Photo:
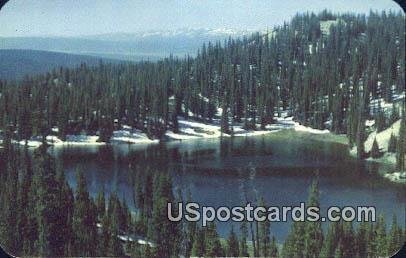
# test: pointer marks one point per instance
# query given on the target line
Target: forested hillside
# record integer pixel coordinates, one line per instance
(338, 72)
(327, 71)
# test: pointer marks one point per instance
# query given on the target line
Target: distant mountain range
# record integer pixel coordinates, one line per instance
(30, 55)
(150, 45)
(16, 63)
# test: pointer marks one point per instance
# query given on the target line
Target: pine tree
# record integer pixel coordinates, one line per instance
(264, 234)
(330, 241)
(394, 115)
(273, 250)
(101, 204)
(232, 244)
(66, 206)
(198, 247)
(49, 210)
(294, 244)
(392, 144)
(84, 219)
(114, 247)
(360, 136)
(401, 146)
(371, 241)
(348, 239)
(361, 239)
(395, 238)
(381, 240)
(339, 251)
(243, 239)
(313, 231)
(380, 122)
(212, 242)
(375, 152)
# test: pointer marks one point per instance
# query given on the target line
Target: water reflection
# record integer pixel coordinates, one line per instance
(214, 170)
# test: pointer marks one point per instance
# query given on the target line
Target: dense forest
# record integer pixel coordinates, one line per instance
(326, 70)
(42, 215)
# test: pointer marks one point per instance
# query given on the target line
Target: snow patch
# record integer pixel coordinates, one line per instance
(382, 138)
(397, 177)
(131, 136)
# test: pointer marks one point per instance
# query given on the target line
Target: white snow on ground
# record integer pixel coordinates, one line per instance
(140, 240)
(205, 99)
(369, 123)
(189, 129)
(131, 136)
(35, 142)
(398, 177)
(302, 128)
(128, 238)
(387, 157)
(288, 122)
(192, 130)
(380, 104)
(382, 138)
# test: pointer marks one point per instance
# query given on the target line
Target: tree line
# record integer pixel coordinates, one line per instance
(322, 69)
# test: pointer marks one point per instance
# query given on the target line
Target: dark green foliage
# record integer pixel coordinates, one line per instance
(264, 243)
(381, 240)
(213, 246)
(243, 239)
(101, 204)
(313, 231)
(49, 207)
(84, 220)
(392, 144)
(375, 152)
(401, 146)
(232, 244)
(199, 246)
(294, 243)
(273, 250)
(394, 115)
(395, 237)
(249, 78)
(380, 122)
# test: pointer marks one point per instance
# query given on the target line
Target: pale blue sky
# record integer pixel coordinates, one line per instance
(90, 17)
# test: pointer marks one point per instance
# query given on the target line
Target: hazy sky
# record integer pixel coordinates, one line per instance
(89, 17)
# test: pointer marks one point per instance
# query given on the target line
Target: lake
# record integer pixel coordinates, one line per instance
(216, 170)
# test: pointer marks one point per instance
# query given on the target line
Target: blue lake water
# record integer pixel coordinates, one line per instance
(216, 171)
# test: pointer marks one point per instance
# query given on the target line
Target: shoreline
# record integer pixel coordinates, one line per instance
(191, 129)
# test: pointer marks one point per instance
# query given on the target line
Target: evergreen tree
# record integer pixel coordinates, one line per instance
(381, 239)
(392, 144)
(264, 234)
(395, 238)
(101, 203)
(380, 122)
(232, 244)
(401, 146)
(84, 219)
(49, 211)
(243, 239)
(313, 231)
(198, 247)
(273, 252)
(375, 152)
(212, 242)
